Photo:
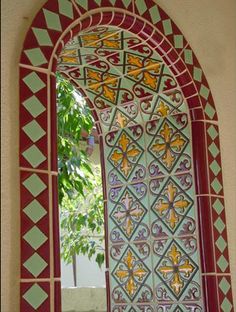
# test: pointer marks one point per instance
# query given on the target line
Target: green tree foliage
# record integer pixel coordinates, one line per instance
(79, 181)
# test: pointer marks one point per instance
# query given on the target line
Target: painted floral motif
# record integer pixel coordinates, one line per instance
(107, 39)
(103, 83)
(172, 205)
(128, 213)
(176, 269)
(125, 154)
(145, 70)
(131, 273)
(168, 145)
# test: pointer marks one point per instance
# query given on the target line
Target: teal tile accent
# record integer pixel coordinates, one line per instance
(226, 305)
(35, 264)
(188, 56)
(215, 168)
(52, 20)
(34, 156)
(34, 106)
(224, 285)
(167, 27)
(35, 296)
(36, 57)
(221, 244)
(35, 238)
(217, 187)
(141, 6)
(42, 37)
(222, 263)
(34, 185)
(83, 3)
(209, 110)
(204, 92)
(197, 74)
(213, 133)
(35, 211)
(127, 3)
(34, 82)
(155, 15)
(66, 8)
(34, 131)
(218, 206)
(219, 225)
(214, 150)
(179, 41)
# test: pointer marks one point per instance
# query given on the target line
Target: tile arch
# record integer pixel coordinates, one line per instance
(57, 22)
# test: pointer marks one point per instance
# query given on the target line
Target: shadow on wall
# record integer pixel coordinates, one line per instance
(84, 299)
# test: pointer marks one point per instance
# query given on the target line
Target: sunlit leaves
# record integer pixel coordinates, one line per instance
(79, 183)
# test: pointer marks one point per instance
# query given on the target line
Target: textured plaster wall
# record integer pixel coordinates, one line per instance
(210, 28)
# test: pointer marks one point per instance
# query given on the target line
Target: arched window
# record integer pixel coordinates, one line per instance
(166, 242)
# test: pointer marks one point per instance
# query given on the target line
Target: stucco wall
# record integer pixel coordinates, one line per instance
(210, 28)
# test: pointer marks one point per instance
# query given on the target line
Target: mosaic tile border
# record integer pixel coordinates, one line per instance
(56, 23)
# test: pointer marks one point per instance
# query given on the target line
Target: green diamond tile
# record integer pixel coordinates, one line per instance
(35, 296)
(112, 2)
(197, 74)
(218, 206)
(34, 106)
(167, 27)
(213, 133)
(52, 20)
(155, 15)
(188, 56)
(98, 2)
(36, 56)
(127, 3)
(224, 285)
(83, 3)
(215, 168)
(178, 41)
(42, 37)
(34, 82)
(221, 244)
(204, 92)
(34, 185)
(222, 263)
(35, 264)
(35, 238)
(226, 305)
(209, 110)
(34, 131)
(219, 225)
(66, 8)
(213, 149)
(34, 156)
(141, 6)
(35, 211)
(216, 185)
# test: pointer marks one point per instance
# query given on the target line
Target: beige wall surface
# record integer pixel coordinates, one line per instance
(210, 28)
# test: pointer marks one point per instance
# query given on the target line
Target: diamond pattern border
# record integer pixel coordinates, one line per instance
(214, 159)
(220, 235)
(35, 297)
(34, 226)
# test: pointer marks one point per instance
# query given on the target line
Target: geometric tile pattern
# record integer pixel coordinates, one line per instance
(139, 83)
(35, 296)
(215, 173)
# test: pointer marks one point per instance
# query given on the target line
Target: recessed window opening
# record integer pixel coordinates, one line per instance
(80, 203)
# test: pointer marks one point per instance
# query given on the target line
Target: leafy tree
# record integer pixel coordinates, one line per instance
(79, 181)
